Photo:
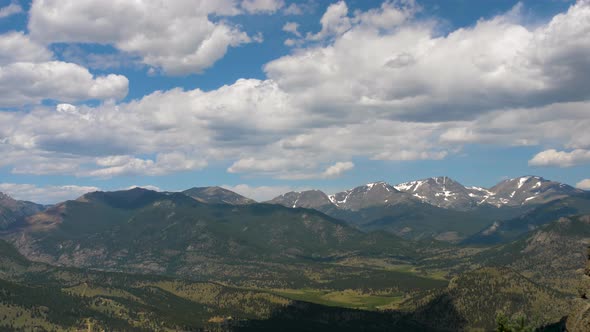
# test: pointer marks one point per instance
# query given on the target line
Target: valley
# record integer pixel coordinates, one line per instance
(374, 256)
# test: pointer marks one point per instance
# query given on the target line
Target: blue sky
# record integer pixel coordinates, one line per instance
(266, 96)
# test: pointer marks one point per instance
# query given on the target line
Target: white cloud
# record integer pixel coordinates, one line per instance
(179, 37)
(335, 21)
(292, 27)
(49, 194)
(126, 165)
(560, 123)
(30, 83)
(415, 95)
(11, 9)
(293, 9)
(28, 76)
(18, 47)
(262, 6)
(584, 184)
(496, 64)
(556, 158)
(280, 167)
(338, 169)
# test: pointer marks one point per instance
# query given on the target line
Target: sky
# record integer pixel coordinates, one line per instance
(268, 96)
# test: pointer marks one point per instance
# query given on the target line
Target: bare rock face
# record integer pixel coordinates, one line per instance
(579, 319)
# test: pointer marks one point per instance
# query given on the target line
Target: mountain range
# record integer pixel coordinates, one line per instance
(441, 192)
(436, 207)
(416, 256)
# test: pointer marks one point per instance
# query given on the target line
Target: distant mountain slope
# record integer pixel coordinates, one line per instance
(552, 255)
(12, 210)
(419, 221)
(507, 230)
(217, 195)
(150, 231)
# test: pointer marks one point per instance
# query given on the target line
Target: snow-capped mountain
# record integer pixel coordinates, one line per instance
(528, 190)
(371, 194)
(447, 193)
(442, 192)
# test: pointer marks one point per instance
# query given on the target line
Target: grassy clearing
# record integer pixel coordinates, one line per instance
(346, 299)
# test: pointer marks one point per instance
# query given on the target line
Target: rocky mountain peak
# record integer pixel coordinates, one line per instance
(440, 191)
(529, 189)
(370, 194)
(12, 210)
(5, 197)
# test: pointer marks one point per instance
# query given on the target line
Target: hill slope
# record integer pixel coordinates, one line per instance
(475, 298)
(552, 255)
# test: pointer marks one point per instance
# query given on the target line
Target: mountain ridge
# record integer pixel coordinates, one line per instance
(439, 191)
(13, 211)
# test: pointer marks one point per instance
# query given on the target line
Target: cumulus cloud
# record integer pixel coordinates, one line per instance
(497, 64)
(11, 9)
(264, 6)
(497, 82)
(164, 163)
(338, 169)
(28, 76)
(30, 83)
(292, 27)
(179, 37)
(45, 194)
(560, 123)
(18, 47)
(293, 9)
(584, 184)
(556, 158)
(335, 21)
